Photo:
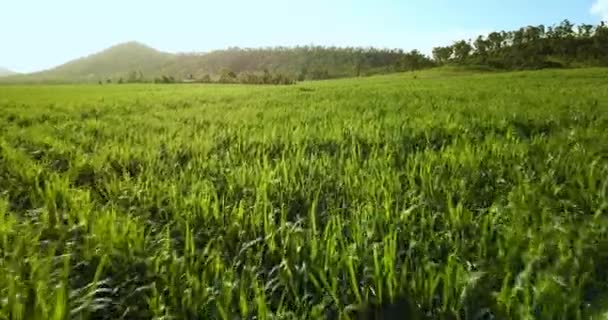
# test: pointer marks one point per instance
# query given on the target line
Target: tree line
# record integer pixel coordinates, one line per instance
(227, 76)
(532, 47)
(282, 66)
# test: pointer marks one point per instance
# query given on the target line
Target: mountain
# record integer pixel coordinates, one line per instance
(6, 72)
(115, 62)
(134, 62)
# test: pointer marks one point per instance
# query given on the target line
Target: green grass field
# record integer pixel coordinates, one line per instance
(433, 195)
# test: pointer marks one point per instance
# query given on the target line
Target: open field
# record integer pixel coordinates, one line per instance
(454, 195)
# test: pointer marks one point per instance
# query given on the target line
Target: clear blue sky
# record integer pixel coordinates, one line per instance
(39, 34)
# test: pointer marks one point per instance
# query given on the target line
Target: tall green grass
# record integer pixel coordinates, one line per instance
(421, 196)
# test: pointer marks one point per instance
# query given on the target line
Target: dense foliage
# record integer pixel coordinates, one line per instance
(433, 195)
(533, 47)
(302, 63)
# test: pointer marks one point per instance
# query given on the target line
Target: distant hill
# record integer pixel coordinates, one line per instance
(113, 63)
(134, 61)
(6, 72)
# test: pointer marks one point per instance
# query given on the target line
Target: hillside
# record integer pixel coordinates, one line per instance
(135, 62)
(112, 63)
(532, 47)
(6, 72)
(304, 62)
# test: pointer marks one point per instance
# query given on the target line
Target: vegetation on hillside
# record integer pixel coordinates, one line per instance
(419, 196)
(133, 62)
(119, 61)
(302, 63)
(532, 47)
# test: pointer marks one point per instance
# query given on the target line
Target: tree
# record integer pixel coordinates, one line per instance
(585, 30)
(517, 37)
(532, 33)
(320, 74)
(495, 39)
(228, 76)
(442, 54)
(358, 64)
(566, 28)
(266, 78)
(600, 42)
(249, 78)
(304, 72)
(462, 50)
(164, 79)
(206, 78)
(551, 33)
(481, 48)
(132, 77)
(414, 60)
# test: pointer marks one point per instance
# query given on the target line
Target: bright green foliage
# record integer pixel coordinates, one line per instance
(451, 195)
(532, 47)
